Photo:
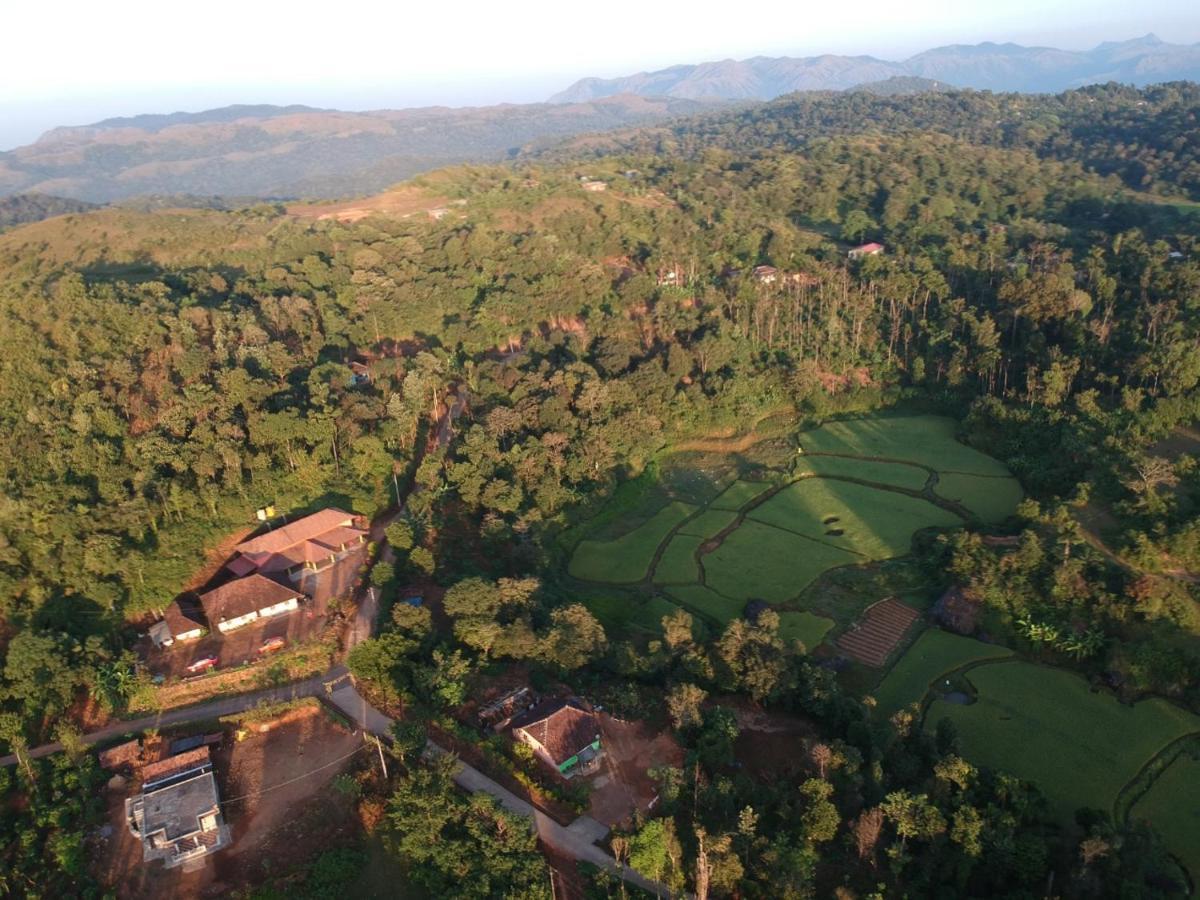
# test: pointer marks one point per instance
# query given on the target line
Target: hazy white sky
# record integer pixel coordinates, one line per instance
(77, 61)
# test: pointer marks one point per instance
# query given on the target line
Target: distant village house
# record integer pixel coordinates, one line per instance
(564, 735)
(766, 274)
(871, 249)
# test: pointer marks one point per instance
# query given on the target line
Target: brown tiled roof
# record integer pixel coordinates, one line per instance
(243, 595)
(561, 727)
(182, 617)
(181, 763)
(335, 538)
(297, 532)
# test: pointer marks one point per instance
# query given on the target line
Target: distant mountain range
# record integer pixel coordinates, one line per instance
(286, 152)
(988, 66)
(298, 151)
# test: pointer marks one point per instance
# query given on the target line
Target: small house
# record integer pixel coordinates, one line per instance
(177, 815)
(595, 186)
(766, 274)
(871, 249)
(563, 734)
(245, 600)
(182, 621)
(360, 373)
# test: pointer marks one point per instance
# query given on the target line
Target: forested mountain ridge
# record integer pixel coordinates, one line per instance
(986, 66)
(288, 152)
(1150, 137)
(23, 208)
(167, 372)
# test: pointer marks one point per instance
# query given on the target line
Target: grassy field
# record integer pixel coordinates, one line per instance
(1172, 805)
(1047, 726)
(759, 561)
(698, 598)
(875, 524)
(805, 627)
(678, 564)
(627, 558)
(739, 494)
(935, 653)
(928, 440)
(992, 499)
(709, 523)
(618, 608)
(898, 474)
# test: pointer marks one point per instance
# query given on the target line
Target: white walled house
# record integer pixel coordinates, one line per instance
(245, 600)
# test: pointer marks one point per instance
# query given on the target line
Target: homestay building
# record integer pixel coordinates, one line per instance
(563, 734)
(871, 249)
(311, 544)
(245, 600)
(177, 815)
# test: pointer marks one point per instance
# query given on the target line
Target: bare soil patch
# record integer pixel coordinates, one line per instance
(624, 786)
(277, 797)
(401, 202)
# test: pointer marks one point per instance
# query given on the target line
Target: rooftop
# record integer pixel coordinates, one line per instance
(243, 595)
(563, 727)
(297, 532)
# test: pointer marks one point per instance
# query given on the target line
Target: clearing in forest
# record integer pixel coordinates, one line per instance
(715, 532)
(935, 654)
(1047, 726)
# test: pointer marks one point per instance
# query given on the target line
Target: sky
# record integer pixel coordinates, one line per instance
(72, 62)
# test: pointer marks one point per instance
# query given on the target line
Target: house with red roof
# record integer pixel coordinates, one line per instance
(563, 734)
(871, 249)
(312, 543)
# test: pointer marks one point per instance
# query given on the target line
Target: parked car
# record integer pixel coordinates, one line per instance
(203, 664)
(271, 645)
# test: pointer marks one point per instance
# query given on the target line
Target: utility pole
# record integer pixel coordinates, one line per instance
(382, 761)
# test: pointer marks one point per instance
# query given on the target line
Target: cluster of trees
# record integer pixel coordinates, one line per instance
(1148, 136)
(166, 374)
(868, 805)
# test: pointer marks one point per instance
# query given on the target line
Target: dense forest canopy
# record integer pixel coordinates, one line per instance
(1148, 137)
(167, 372)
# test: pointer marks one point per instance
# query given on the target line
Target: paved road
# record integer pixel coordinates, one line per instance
(213, 709)
(578, 840)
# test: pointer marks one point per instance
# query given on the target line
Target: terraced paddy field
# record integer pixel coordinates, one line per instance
(851, 517)
(628, 558)
(1047, 726)
(1172, 806)
(935, 654)
(924, 440)
(729, 531)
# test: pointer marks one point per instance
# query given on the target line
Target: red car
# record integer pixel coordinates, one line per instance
(271, 645)
(202, 665)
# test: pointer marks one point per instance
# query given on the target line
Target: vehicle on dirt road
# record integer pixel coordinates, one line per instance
(271, 645)
(202, 665)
